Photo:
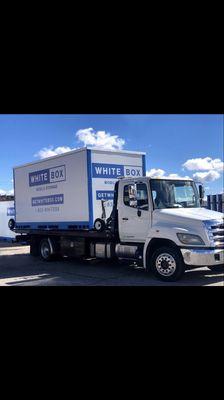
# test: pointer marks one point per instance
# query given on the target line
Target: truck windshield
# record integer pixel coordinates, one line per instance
(174, 194)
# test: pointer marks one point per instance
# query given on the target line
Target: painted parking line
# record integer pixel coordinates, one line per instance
(21, 279)
(5, 251)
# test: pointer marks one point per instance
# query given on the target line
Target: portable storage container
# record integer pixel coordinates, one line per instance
(66, 191)
(6, 213)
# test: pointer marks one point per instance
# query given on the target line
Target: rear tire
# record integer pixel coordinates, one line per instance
(45, 250)
(167, 264)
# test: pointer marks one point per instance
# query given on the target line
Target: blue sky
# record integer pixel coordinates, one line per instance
(169, 141)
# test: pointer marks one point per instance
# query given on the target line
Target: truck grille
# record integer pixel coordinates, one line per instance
(218, 235)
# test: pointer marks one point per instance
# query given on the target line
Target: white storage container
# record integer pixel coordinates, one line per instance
(65, 191)
(6, 213)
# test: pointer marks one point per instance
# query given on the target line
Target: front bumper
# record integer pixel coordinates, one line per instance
(203, 257)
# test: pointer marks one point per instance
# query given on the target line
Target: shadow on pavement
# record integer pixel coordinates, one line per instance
(22, 269)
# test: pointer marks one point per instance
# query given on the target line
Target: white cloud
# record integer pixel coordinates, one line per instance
(160, 173)
(50, 151)
(208, 176)
(6, 192)
(155, 173)
(176, 176)
(100, 139)
(203, 164)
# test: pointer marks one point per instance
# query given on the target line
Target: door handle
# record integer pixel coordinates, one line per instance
(125, 219)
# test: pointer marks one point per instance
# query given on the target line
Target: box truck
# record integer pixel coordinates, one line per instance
(100, 204)
(7, 212)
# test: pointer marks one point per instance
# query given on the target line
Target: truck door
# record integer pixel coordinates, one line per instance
(134, 214)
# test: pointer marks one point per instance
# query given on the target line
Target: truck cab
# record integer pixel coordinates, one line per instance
(164, 221)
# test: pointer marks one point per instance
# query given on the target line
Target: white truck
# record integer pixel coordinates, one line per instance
(7, 212)
(99, 204)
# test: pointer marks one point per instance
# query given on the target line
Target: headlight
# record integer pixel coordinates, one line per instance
(189, 239)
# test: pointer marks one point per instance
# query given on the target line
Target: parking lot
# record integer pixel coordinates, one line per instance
(18, 268)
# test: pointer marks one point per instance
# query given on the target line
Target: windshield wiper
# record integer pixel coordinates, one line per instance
(175, 205)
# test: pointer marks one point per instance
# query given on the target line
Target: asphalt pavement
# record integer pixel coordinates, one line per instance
(18, 268)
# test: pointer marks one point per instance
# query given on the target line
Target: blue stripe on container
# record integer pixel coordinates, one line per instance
(50, 225)
(14, 184)
(143, 165)
(90, 193)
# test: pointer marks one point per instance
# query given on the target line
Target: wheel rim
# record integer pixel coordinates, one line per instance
(98, 225)
(166, 264)
(45, 250)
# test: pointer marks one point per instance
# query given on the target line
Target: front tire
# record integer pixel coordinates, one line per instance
(167, 264)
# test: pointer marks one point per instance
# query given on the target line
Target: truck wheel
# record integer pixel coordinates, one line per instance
(11, 224)
(167, 264)
(99, 225)
(45, 250)
(217, 268)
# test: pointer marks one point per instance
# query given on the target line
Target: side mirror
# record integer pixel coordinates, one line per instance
(201, 193)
